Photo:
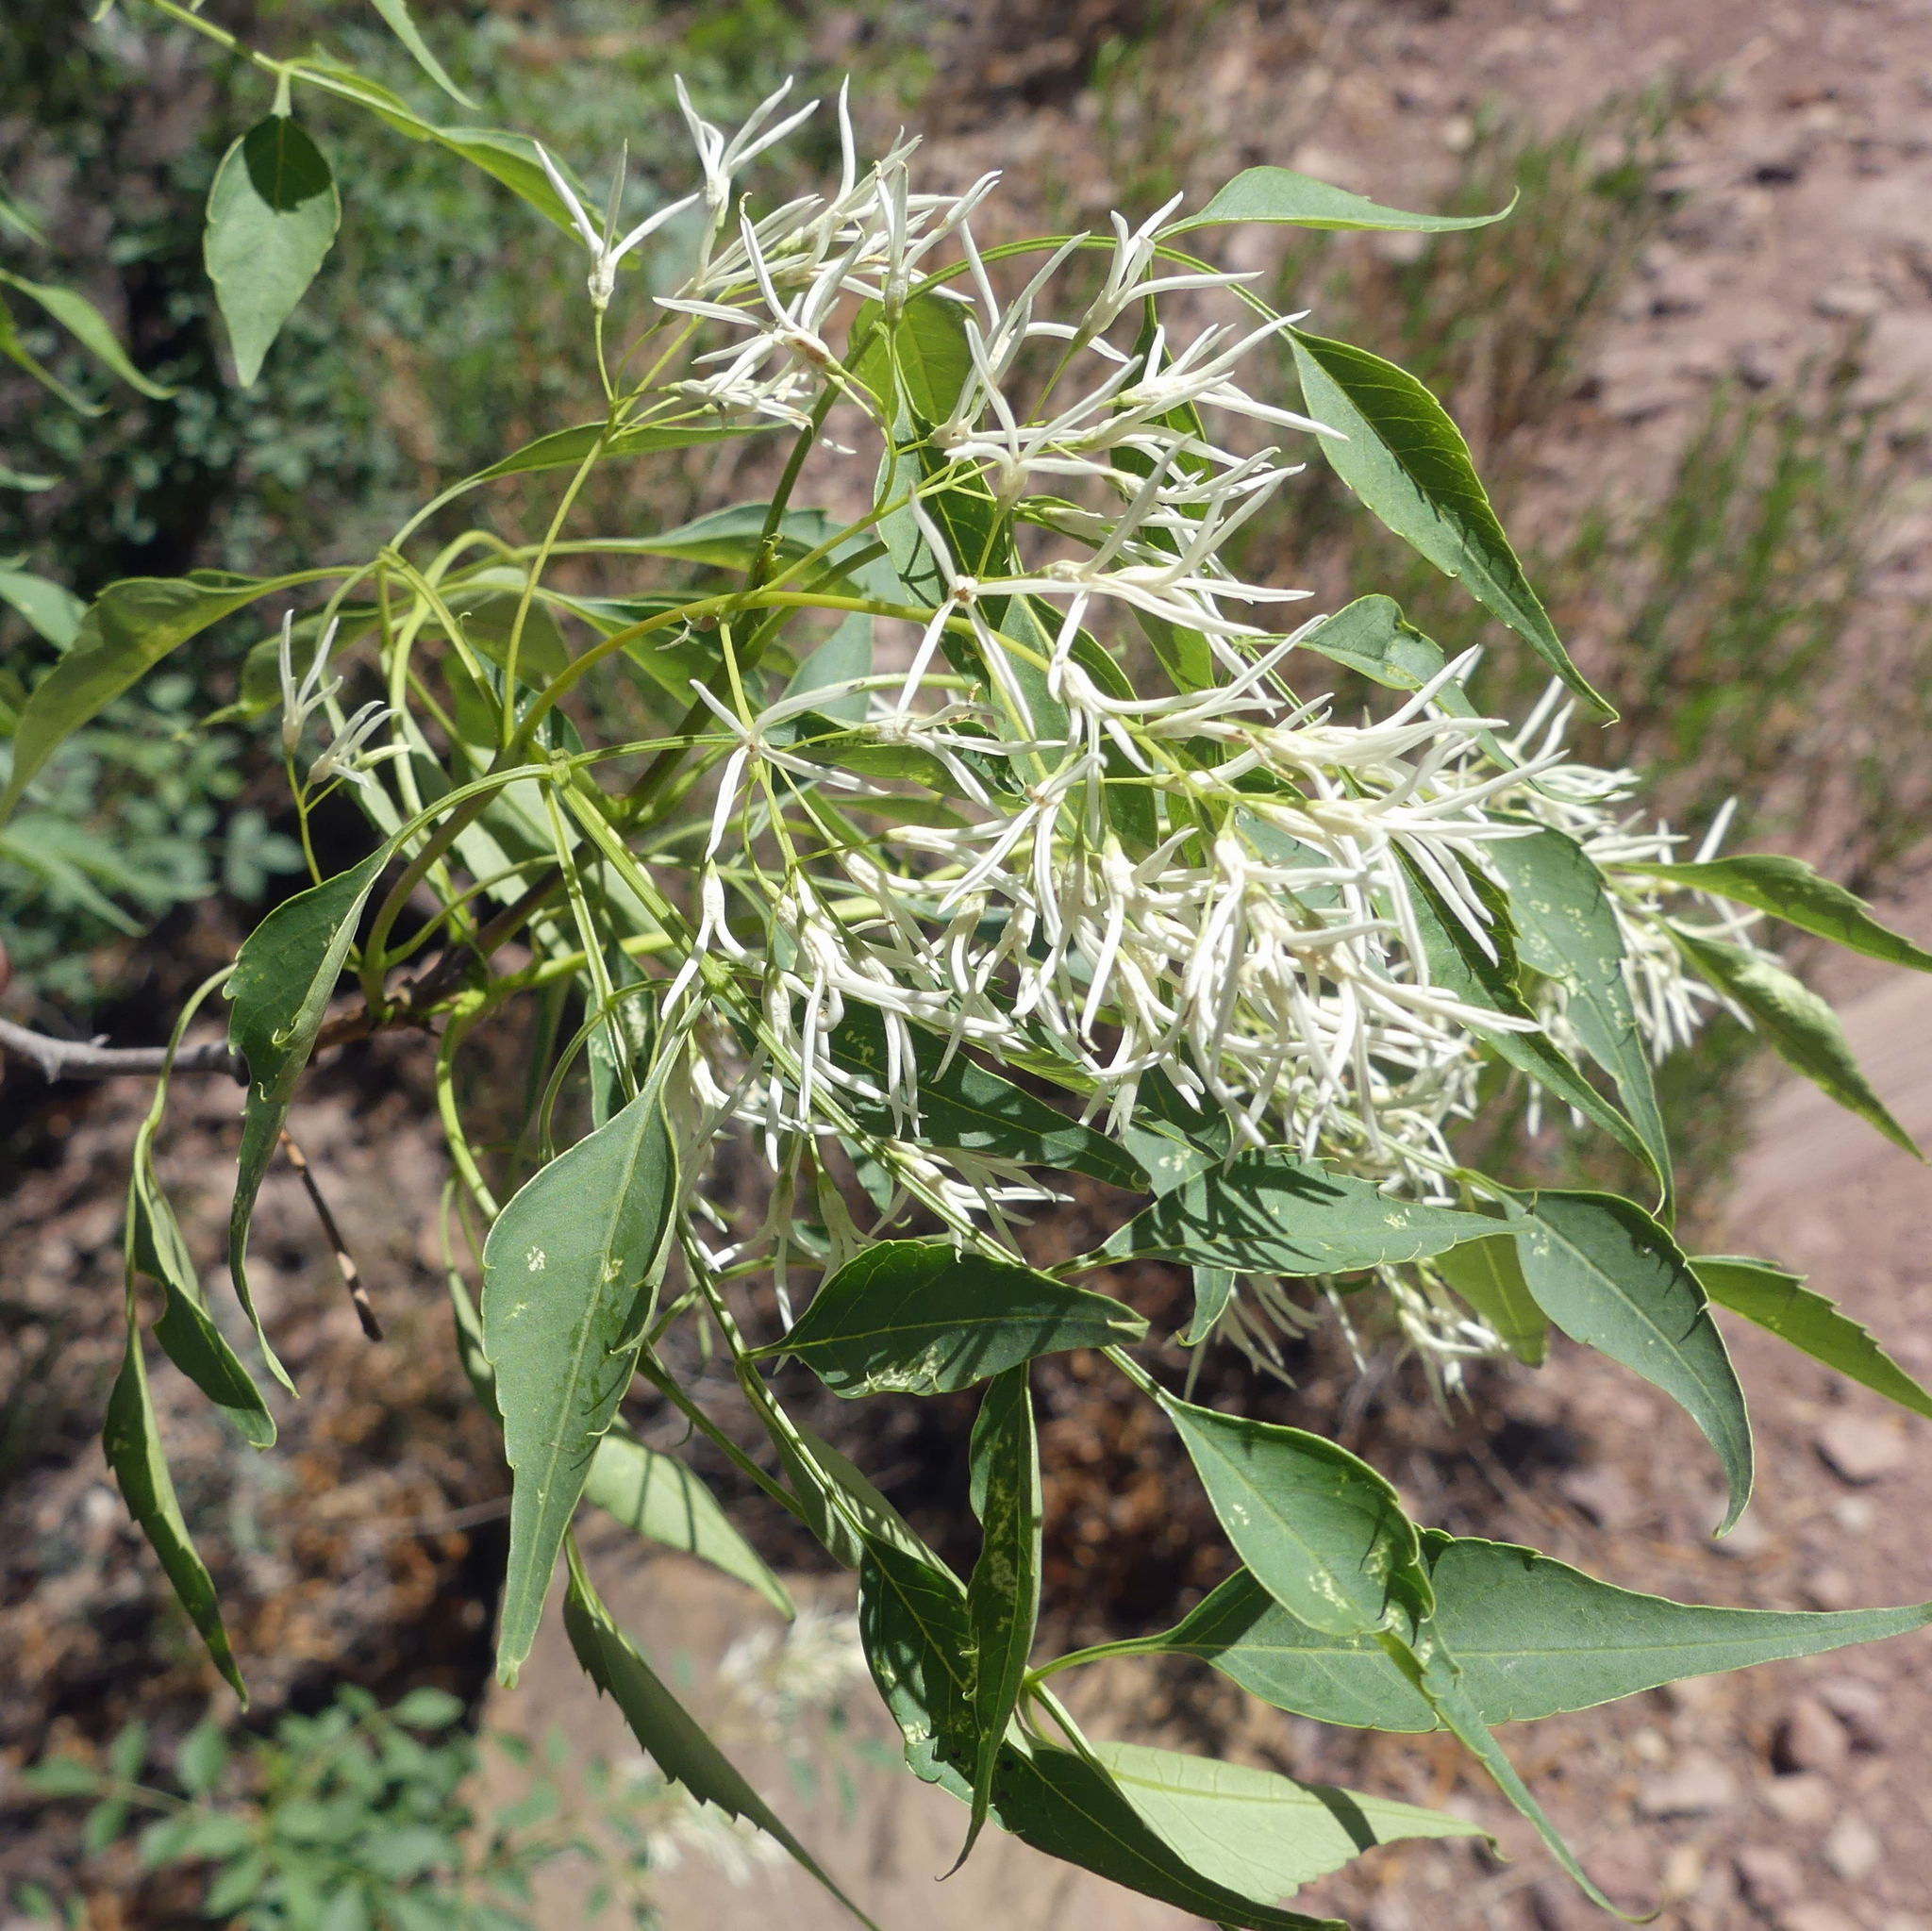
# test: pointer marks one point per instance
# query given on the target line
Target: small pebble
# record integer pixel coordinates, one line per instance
(1802, 1800)
(1859, 1448)
(1815, 1917)
(1810, 1738)
(1699, 1785)
(1862, 1707)
(1852, 1849)
(1770, 1876)
(1848, 302)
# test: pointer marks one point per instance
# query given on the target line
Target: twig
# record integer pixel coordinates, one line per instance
(90, 1059)
(344, 1260)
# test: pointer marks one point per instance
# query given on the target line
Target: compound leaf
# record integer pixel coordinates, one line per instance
(570, 1271)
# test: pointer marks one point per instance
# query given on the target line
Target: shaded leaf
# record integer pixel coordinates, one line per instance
(283, 978)
(397, 14)
(89, 327)
(1804, 1030)
(128, 630)
(658, 1496)
(1280, 195)
(54, 611)
(969, 1106)
(1409, 463)
(914, 1317)
(1782, 1303)
(566, 448)
(1260, 1834)
(677, 1743)
(918, 1638)
(1267, 1213)
(1611, 1278)
(132, 1444)
(570, 1276)
(1567, 929)
(1789, 888)
(927, 345)
(1322, 1531)
(1488, 1276)
(1003, 1595)
(1214, 1289)
(272, 217)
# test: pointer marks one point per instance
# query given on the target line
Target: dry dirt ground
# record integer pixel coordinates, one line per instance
(1794, 1796)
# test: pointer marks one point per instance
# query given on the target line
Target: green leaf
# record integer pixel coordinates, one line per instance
(1003, 1596)
(1321, 1530)
(1458, 965)
(1214, 1289)
(1072, 1809)
(21, 221)
(968, 1106)
(397, 13)
(1280, 194)
(1794, 1312)
(1568, 930)
(570, 1276)
(566, 448)
(1797, 1022)
(843, 1508)
(914, 1317)
(510, 159)
(201, 1758)
(128, 630)
(659, 1497)
(1409, 463)
(428, 1709)
(1488, 1276)
(22, 357)
(1789, 888)
(187, 1329)
(283, 977)
(1262, 1835)
(132, 1442)
(1533, 1637)
(677, 1743)
(89, 327)
(54, 611)
(29, 480)
(1266, 1213)
(272, 213)
(1611, 1278)
(918, 1638)
(1440, 1678)
(927, 344)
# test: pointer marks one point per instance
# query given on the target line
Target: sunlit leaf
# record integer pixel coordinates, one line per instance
(52, 609)
(1281, 195)
(89, 327)
(397, 13)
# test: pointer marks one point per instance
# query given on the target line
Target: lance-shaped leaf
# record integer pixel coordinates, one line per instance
(132, 1442)
(914, 1623)
(927, 348)
(128, 630)
(272, 213)
(1267, 1213)
(187, 1329)
(54, 611)
(1260, 1834)
(1214, 1289)
(1488, 1276)
(1789, 888)
(1409, 463)
(1322, 1531)
(965, 1104)
(1458, 965)
(1795, 1313)
(283, 977)
(1806, 1031)
(661, 1498)
(914, 1317)
(1611, 1278)
(1567, 929)
(89, 327)
(566, 448)
(676, 1741)
(570, 1274)
(1280, 194)
(1533, 1637)
(1003, 1596)
(1437, 1674)
(404, 26)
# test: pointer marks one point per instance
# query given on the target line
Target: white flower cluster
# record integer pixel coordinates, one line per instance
(1219, 881)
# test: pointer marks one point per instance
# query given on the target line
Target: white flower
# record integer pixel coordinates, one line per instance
(300, 703)
(721, 159)
(345, 758)
(605, 253)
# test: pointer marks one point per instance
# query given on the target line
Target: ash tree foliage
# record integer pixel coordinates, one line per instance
(830, 831)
